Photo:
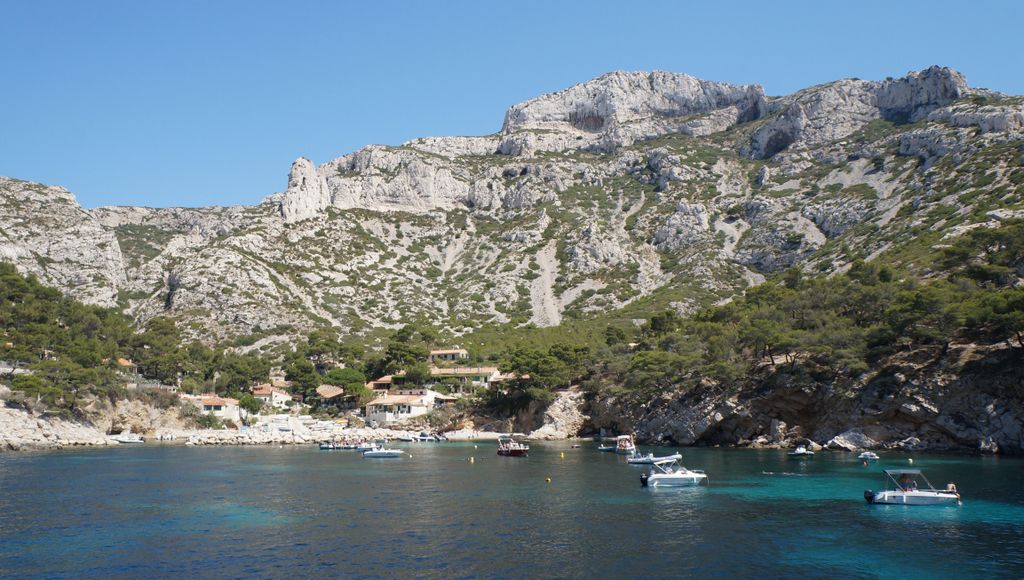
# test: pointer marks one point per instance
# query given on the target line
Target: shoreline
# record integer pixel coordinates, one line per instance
(21, 431)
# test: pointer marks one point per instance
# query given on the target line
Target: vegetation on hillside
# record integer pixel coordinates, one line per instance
(825, 328)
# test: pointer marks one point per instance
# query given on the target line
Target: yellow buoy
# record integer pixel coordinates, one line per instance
(562, 455)
(911, 459)
(471, 460)
(474, 447)
(548, 480)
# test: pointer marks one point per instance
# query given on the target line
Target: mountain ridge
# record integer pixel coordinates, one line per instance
(632, 186)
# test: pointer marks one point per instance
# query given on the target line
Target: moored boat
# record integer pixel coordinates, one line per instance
(624, 445)
(668, 473)
(127, 438)
(905, 491)
(509, 447)
(383, 453)
(801, 452)
(650, 459)
(868, 456)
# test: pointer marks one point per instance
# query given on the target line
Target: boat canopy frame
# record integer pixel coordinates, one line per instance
(893, 473)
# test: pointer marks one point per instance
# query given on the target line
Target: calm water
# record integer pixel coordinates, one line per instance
(153, 511)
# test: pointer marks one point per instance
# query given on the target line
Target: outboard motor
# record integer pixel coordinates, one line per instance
(869, 496)
(643, 479)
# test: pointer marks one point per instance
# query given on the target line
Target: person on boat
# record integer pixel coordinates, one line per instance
(906, 484)
(951, 487)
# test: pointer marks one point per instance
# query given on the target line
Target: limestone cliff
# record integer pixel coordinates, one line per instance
(638, 190)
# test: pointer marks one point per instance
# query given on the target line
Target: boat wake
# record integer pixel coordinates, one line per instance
(785, 474)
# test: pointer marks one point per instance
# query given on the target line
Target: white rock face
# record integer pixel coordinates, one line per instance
(621, 107)
(562, 214)
(822, 114)
(689, 224)
(45, 232)
(307, 193)
(988, 119)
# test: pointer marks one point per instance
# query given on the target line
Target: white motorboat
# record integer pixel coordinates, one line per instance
(366, 446)
(868, 456)
(382, 453)
(668, 473)
(127, 438)
(801, 452)
(624, 445)
(904, 490)
(650, 459)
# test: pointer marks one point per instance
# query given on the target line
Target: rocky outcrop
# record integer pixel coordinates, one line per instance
(823, 114)
(563, 418)
(20, 430)
(307, 194)
(44, 231)
(688, 225)
(970, 400)
(1008, 118)
(620, 108)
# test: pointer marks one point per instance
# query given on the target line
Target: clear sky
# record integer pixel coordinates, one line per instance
(208, 102)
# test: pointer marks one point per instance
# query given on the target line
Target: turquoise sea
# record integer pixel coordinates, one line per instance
(268, 512)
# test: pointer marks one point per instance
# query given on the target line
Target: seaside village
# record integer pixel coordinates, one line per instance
(284, 416)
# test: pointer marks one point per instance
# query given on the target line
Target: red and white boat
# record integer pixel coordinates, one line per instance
(509, 447)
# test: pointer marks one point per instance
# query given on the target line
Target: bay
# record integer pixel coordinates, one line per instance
(167, 510)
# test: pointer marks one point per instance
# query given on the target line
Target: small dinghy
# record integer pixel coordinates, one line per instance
(650, 459)
(904, 490)
(328, 446)
(379, 451)
(868, 456)
(383, 453)
(801, 452)
(127, 438)
(668, 473)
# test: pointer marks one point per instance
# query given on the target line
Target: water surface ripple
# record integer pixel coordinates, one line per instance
(157, 511)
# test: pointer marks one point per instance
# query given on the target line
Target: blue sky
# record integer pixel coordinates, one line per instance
(202, 103)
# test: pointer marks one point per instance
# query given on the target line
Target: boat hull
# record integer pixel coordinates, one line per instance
(513, 452)
(650, 459)
(384, 454)
(915, 498)
(676, 479)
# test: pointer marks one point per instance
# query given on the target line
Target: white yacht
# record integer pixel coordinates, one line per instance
(868, 456)
(668, 473)
(905, 491)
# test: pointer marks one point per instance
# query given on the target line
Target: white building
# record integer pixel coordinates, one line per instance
(404, 404)
(222, 407)
(269, 395)
(448, 355)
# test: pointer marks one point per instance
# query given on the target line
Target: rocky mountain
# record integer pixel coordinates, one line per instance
(618, 196)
